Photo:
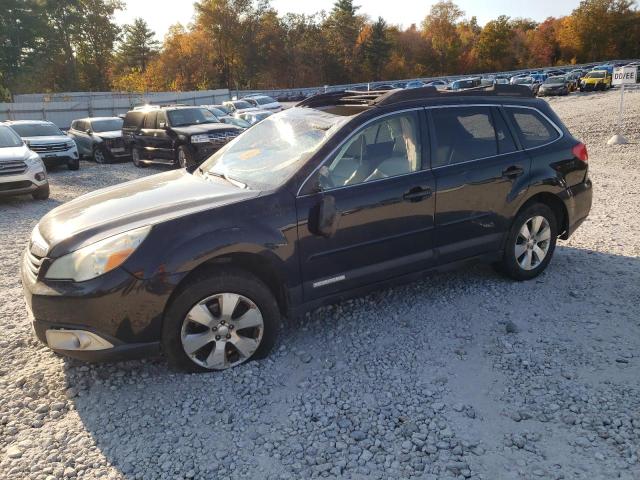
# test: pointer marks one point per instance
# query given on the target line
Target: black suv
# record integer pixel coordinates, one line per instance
(174, 135)
(345, 192)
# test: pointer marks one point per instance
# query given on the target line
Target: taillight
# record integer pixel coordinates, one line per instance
(580, 152)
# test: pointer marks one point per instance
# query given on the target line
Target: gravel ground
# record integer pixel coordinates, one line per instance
(462, 375)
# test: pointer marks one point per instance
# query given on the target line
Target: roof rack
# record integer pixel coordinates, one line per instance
(390, 97)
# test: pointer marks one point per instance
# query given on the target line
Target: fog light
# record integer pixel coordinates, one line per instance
(40, 176)
(76, 340)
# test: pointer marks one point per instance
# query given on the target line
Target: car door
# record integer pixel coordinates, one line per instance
(148, 137)
(373, 199)
(163, 142)
(78, 131)
(480, 172)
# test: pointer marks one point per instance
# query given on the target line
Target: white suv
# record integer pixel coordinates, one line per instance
(21, 170)
(264, 102)
(48, 141)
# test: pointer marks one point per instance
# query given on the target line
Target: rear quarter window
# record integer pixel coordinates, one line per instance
(531, 127)
(133, 120)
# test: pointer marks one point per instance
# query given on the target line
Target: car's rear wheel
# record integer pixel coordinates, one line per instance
(136, 158)
(42, 193)
(99, 155)
(219, 321)
(531, 243)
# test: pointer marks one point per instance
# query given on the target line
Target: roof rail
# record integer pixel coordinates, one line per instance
(390, 97)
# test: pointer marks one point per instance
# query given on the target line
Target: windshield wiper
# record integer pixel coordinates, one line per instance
(224, 176)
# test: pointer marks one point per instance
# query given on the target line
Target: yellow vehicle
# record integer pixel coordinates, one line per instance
(596, 80)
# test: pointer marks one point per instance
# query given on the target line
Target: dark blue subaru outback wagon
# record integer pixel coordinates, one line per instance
(343, 193)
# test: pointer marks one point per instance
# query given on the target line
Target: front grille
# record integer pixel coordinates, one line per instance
(9, 186)
(115, 143)
(50, 148)
(221, 138)
(12, 168)
(31, 265)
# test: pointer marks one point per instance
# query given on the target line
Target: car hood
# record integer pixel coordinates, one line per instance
(8, 154)
(46, 140)
(113, 134)
(203, 128)
(147, 201)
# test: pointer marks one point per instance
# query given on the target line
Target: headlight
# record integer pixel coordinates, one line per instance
(200, 139)
(99, 258)
(34, 161)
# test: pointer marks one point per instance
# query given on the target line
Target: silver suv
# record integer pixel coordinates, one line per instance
(21, 170)
(48, 141)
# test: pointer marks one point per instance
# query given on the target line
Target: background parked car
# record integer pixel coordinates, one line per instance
(21, 170)
(465, 83)
(175, 135)
(530, 82)
(239, 106)
(554, 86)
(99, 138)
(596, 80)
(415, 84)
(47, 140)
(264, 102)
(254, 117)
(224, 117)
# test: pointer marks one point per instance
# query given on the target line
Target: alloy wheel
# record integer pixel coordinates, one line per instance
(533, 242)
(98, 155)
(222, 331)
(182, 159)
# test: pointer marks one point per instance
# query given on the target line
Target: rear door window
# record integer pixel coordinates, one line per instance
(133, 120)
(150, 120)
(463, 134)
(531, 127)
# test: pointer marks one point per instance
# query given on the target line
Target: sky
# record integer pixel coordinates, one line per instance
(161, 14)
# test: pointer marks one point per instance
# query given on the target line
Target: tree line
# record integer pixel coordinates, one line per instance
(68, 45)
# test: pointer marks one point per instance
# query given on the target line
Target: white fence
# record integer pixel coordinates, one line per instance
(62, 109)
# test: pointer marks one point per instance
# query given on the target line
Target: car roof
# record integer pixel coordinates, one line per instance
(26, 122)
(97, 118)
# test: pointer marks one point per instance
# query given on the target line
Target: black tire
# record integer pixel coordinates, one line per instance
(136, 158)
(42, 193)
(99, 155)
(184, 158)
(74, 164)
(223, 280)
(509, 264)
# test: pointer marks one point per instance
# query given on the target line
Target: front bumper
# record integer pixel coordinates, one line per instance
(23, 183)
(118, 307)
(55, 159)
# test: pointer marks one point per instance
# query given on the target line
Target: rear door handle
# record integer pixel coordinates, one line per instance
(417, 194)
(512, 172)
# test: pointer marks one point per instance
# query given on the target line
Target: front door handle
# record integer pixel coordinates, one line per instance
(512, 172)
(417, 194)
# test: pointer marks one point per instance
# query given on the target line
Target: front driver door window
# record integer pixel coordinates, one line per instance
(385, 149)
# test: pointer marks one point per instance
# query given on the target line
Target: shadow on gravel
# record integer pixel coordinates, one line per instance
(150, 422)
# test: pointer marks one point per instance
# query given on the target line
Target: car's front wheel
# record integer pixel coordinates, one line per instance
(99, 155)
(136, 158)
(219, 321)
(185, 158)
(74, 164)
(42, 193)
(531, 242)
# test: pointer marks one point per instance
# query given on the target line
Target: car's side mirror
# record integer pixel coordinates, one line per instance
(162, 125)
(323, 217)
(88, 131)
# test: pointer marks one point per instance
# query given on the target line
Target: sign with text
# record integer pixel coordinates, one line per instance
(624, 75)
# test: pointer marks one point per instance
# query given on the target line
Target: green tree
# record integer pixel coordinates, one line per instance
(342, 28)
(494, 45)
(137, 47)
(377, 49)
(440, 28)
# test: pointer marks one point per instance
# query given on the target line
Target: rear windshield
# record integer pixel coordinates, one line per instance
(8, 138)
(264, 100)
(36, 130)
(134, 119)
(106, 125)
(242, 104)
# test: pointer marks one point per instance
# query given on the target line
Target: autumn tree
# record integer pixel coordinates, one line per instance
(494, 45)
(440, 28)
(376, 49)
(342, 28)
